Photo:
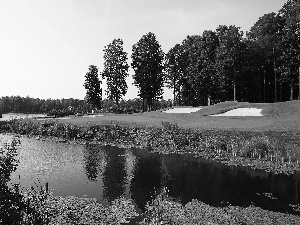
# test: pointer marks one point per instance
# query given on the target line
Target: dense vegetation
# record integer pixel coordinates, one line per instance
(17, 104)
(224, 65)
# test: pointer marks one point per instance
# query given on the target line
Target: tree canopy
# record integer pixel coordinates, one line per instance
(290, 54)
(147, 63)
(93, 88)
(115, 70)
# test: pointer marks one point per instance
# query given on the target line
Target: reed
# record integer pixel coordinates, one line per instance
(281, 149)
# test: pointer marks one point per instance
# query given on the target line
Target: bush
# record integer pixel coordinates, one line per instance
(257, 147)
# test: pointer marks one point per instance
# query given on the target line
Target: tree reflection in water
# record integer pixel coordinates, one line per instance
(147, 177)
(95, 161)
(114, 180)
(139, 175)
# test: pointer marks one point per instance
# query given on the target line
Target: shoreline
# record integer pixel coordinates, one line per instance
(272, 151)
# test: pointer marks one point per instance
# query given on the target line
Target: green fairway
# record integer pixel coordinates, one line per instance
(276, 116)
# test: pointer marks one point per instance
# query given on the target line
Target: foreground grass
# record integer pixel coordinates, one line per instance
(161, 210)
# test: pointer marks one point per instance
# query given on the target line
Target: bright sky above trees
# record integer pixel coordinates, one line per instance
(46, 46)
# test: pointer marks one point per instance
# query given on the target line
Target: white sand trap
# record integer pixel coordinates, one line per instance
(93, 115)
(183, 110)
(241, 112)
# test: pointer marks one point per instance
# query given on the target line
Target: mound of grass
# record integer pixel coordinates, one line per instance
(279, 109)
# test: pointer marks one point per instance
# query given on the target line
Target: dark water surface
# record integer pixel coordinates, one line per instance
(106, 173)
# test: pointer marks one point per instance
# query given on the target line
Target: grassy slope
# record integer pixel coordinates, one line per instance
(277, 116)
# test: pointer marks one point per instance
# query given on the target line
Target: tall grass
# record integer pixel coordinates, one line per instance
(279, 149)
(163, 210)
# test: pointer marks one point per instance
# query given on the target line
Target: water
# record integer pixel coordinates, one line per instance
(10, 116)
(107, 173)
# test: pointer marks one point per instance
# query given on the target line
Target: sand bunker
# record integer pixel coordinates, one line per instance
(242, 112)
(183, 110)
(97, 115)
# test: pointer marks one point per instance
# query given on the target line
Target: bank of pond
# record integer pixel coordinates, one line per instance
(272, 151)
(119, 174)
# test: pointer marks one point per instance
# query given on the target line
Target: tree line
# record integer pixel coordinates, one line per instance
(261, 66)
(17, 104)
(64, 107)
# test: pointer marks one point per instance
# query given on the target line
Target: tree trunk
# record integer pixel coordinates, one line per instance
(149, 105)
(143, 105)
(234, 91)
(299, 84)
(264, 85)
(275, 77)
(174, 94)
(208, 100)
(280, 95)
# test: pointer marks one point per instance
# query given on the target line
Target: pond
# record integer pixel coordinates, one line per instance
(106, 173)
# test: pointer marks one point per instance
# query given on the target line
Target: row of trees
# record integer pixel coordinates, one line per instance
(223, 65)
(17, 104)
(147, 62)
(216, 66)
(59, 107)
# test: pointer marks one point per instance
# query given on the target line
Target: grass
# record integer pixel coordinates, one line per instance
(281, 116)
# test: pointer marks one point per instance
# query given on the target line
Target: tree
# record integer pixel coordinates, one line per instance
(147, 63)
(207, 75)
(290, 13)
(115, 70)
(253, 85)
(175, 67)
(93, 88)
(229, 56)
(190, 81)
(266, 32)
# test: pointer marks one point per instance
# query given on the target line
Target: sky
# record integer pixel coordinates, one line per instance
(46, 46)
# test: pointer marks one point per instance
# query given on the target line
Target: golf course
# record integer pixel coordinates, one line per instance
(281, 116)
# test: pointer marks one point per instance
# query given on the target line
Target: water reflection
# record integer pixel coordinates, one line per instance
(107, 173)
(114, 179)
(147, 177)
(95, 162)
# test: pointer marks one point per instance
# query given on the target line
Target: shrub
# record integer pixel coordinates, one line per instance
(257, 148)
